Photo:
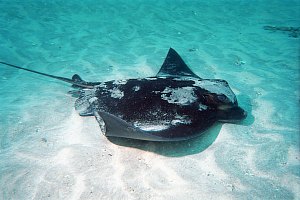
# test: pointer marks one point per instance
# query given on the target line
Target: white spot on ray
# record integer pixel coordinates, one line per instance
(151, 127)
(181, 119)
(216, 87)
(180, 96)
(93, 99)
(120, 82)
(154, 127)
(103, 85)
(202, 107)
(151, 78)
(116, 93)
(185, 78)
(136, 88)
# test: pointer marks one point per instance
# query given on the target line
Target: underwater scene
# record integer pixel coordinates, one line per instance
(149, 99)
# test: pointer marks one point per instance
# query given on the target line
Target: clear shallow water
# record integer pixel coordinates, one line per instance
(48, 152)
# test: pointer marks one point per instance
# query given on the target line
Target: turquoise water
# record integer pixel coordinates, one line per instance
(47, 151)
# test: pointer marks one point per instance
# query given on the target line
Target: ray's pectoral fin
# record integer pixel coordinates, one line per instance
(113, 126)
(87, 112)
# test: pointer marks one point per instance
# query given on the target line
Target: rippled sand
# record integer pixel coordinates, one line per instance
(47, 151)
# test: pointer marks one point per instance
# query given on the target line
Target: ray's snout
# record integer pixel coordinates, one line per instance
(239, 113)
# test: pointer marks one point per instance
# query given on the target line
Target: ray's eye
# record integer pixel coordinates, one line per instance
(222, 98)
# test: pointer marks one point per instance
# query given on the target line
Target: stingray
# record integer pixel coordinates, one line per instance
(174, 105)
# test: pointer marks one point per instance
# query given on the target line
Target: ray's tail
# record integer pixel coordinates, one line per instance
(76, 80)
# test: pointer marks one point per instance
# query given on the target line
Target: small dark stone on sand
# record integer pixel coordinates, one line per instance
(292, 31)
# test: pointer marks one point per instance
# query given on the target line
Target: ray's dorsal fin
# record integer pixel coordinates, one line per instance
(175, 66)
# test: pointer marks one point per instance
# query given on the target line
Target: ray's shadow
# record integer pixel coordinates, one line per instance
(173, 149)
(245, 100)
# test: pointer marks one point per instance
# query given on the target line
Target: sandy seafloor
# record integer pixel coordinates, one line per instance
(47, 151)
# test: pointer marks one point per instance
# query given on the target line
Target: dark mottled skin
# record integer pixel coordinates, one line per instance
(147, 106)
